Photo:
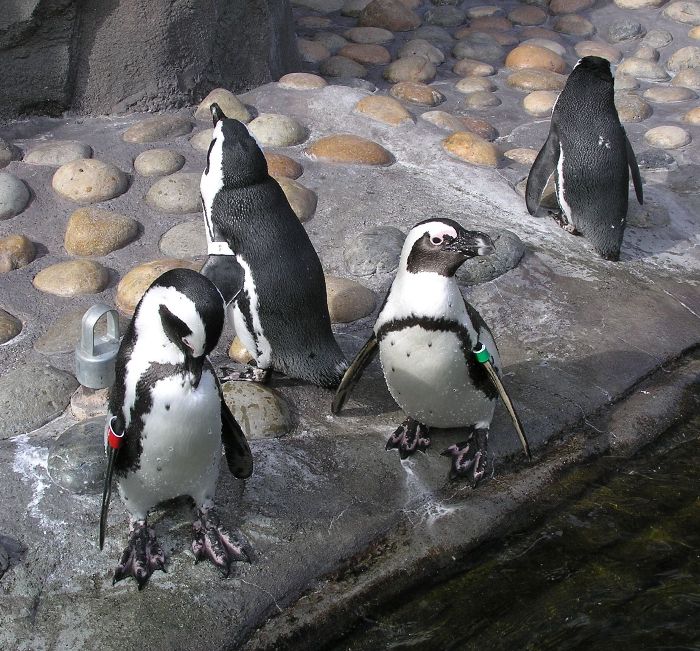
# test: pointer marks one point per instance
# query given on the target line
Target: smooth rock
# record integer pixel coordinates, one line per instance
(540, 102)
(281, 165)
(631, 108)
(646, 52)
(369, 35)
(16, 251)
(353, 8)
(353, 82)
(658, 38)
(684, 12)
(421, 47)
(595, 49)
(6, 153)
(479, 46)
(569, 6)
(161, 127)
(368, 54)
(624, 29)
(93, 231)
(688, 77)
(301, 81)
(348, 148)
(348, 300)
(312, 51)
(686, 57)
(376, 250)
(642, 69)
(330, 40)
(185, 240)
(337, 66)
(412, 68)
(389, 14)
(533, 56)
(625, 82)
(88, 403)
(474, 84)
(480, 99)
(72, 278)
(550, 45)
(527, 15)
(471, 148)
(528, 33)
(443, 120)
(302, 200)
(694, 33)
(473, 68)
(178, 193)
(638, 4)
(667, 137)
(481, 11)
(669, 94)
(692, 116)
(491, 24)
(158, 162)
(260, 411)
(530, 80)
(417, 93)
(274, 130)
(14, 195)
(10, 326)
(384, 109)
(445, 16)
(58, 153)
(322, 6)
(89, 181)
(238, 352)
(573, 25)
(228, 103)
(481, 269)
(436, 35)
(315, 22)
(655, 159)
(480, 127)
(201, 140)
(522, 155)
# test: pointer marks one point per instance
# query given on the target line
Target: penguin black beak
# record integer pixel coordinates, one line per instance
(194, 366)
(216, 113)
(472, 243)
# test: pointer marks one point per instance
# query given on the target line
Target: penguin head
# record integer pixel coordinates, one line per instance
(441, 246)
(595, 67)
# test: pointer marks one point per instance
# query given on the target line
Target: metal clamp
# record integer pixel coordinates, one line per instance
(95, 357)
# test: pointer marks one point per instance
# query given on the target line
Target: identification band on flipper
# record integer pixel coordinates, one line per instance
(114, 443)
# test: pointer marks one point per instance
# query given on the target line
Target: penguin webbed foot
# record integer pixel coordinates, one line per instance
(213, 542)
(249, 374)
(411, 436)
(564, 223)
(142, 555)
(469, 457)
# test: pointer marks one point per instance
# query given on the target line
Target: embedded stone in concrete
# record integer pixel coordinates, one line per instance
(281, 165)
(642, 69)
(93, 231)
(89, 403)
(474, 84)
(58, 153)
(385, 110)
(527, 15)
(631, 108)
(177, 193)
(479, 46)
(228, 103)
(16, 251)
(348, 300)
(239, 353)
(161, 127)
(314, 22)
(473, 68)
(158, 162)
(481, 269)
(646, 52)
(669, 94)
(353, 8)
(655, 159)
(471, 148)
(480, 127)
(438, 36)
(185, 240)
(625, 82)
(367, 54)
(540, 102)
(376, 250)
(88, 180)
(389, 14)
(624, 29)
(72, 278)
(369, 35)
(596, 49)
(569, 6)
(533, 56)
(337, 66)
(479, 99)
(548, 44)
(6, 153)
(417, 93)
(443, 120)
(491, 24)
(694, 33)
(692, 116)
(201, 140)
(10, 326)
(686, 57)
(421, 47)
(301, 81)
(274, 130)
(260, 411)
(331, 40)
(353, 82)
(530, 80)
(312, 51)
(322, 6)
(688, 78)
(348, 148)
(410, 68)
(302, 200)
(638, 4)
(522, 155)
(573, 25)
(444, 16)
(14, 195)
(667, 137)
(484, 10)
(684, 12)
(658, 38)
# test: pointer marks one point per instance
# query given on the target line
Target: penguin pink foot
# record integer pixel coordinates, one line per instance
(213, 542)
(142, 556)
(469, 457)
(411, 436)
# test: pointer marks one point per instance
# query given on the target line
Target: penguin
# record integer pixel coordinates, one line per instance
(589, 154)
(168, 420)
(425, 334)
(263, 262)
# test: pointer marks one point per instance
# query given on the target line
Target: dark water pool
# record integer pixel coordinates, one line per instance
(618, 567)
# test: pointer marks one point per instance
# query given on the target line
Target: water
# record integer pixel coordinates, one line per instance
(617, 567)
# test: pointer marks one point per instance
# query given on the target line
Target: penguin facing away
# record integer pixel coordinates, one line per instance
(589, 154)
(263, 262)
(169, 419)
(425, 334)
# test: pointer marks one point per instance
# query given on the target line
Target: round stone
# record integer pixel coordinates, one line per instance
(312, 51)
(438, 36)
(6, 153)
(569, 6)
(631, 107)
(314, 22)
(528, 33)
(694, 33)
(595, 49)
(421, 47)
(443, 120)
(385, 110)
(667, 137)
(474, 84)
(638, 4)
(14, 195)
(376, 250)
(322, 6)
(473, 68)
(89, 181)
(642, 69)
(686, 57)
(302, 200)
(491, 24)
(186, 240)
(533, 56)
(389, 14)
(161, 127)
(417, 93)
(411, 68)
(72, 278)
(301, 81)
(274, 130)
(574, 25)
(522, 155)
(540, 102)
(348, 148)
(201, 140)
(624, 29)
(550, 45)
(260, 411)
(369, 35)
(479, 100)
(646, 52)
(479, 46)
(281, 165)
(471, 148)
(238, 352)
(688, 77)
(353, 8)
(481, 11)
(669, 94)
(684, 12)
(692, 116)
(16, 251)
(10, 326)
(58, 153)
(625, 82)
(337, 66)
(530, 80)
(93, 231)
(527, 15)
(348, 300)
(658, 38)
(133, 286)
(481, 269)
(158, 162)
(178, 193)
(367, 54)
(353, 82)
(655, 159)
(480, 127)
(228, 103)
(445, 16)
(330, 40)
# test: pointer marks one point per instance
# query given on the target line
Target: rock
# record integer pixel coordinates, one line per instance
(314, 22)
(238, 352)
(259, 410)
(655, 159)
(353, 8)
(31, 396)
(330, 40)
(530, 80)
(474, 84)
(72, 278)
(87, 180)
(89, 403)
(337, 66)
(322, 6)
(479, 99)
(158, 162)
(93, 231)
(473, 68)
(421, 47)
(412, 68)
(348, 300)
(281, 165)
(14, 195)
(77, 459)
(669, 94)
(646, 52)
(348, 148)
(10, 326)
(638, 4)
(688, 78)
(16, 251)
(686, 57)
(369, 35)
(631, 108)
(684, 12)
(376, 250)
(522, 155)
(133, 286)
(484, 10)
(274, 130)
(694, 33)
(642, 69)
(573, 25)
(471, 148)
(479, 46)
(480, 127)
(625, 82)
(353, 82)
(569, 6)
(667, 137)
(312, 51)
(595, 49)
(550, 45)
(302, 200)
(161, 127)
(624, 29)
(650, 215)
(58, 152)
(227, 101)
(692, 116)
(186, 240)
(540, 102)
(389, 14)
(177, 193)
(658, 38)
(445, 16)
(533, 56)
(6, 153)
(368, 54)
(301, 81)
(417, 93)
(509, 251)
(201, 140)
(443, 120)
(528, 33)
(527, 15)
(505, 39)
(385, 110)
(436, 35)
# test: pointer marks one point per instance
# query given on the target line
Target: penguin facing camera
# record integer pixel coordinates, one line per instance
(426, 334)
(590, 156)
(167, 422)
(263, 262)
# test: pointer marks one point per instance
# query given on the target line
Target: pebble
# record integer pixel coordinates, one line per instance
(421, 47)
(527, 15)
(353, 82)
(16, 251)
(443, 120)
(522, 155)
(228, 103)
(58, 153)
(655, 159)
(624, 29)
(238, 352)
(6, 153)
(686, 57)
(315, 22)
(479, 100)
(72, 278)
(684, 12)
(89, 403)
(312, 51)
(158, 162)
(322, 6)
(178, 193)
(573, 25)
(353, 8)
(550, 45)
(638, 4)
(694, 33)
(389, 14)
(646, 52)
(260, 411)
(642, 69)
(10, 326)
(133, 286)
(667, 137)
(536, 80)
(94, 231)
(479, 46)
(692, 116)
(348, 148)
(669, 94)
(481, 269)
(688, 77)
(88, 180)
(540, 102)
(369, 35)
(484, 10)
(31, 396)
(366, 53)
(473, 84)
(595, 49)
(201, 140)
(301, 81)
(302, 200)
(385, 110)
(77, 459)
(445, 16)
(631, 107)
(348, 300)
(281, 165)
(528, 33)
(471, 148)
(330, 40)
(337, 66)
(161, 127)
(436, 35)
(480, 127)
(274, 130)
(625, 82)
(63, 335)
(490, 24)
(473, 68)
(658, 38)
(185, 240)
(533, 56)
(411, 68)
(376, 250)
(569, 6)
(14, 195)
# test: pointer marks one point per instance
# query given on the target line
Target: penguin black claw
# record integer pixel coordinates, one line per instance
(213, 542)
(141, 557)
(469, 457)
(411, 436)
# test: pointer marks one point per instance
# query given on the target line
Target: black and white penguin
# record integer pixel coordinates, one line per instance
(589, 154)
(425, 334)
(262, 261)
(168, 419)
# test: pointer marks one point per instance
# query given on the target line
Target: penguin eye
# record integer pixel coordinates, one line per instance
(187, 343)
(436, 240)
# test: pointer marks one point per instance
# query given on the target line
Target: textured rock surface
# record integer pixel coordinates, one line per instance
(260, 411)
(376, 250)
(93, 231)
(347, 148)
(16, 251)
(58, 153)
(10, 326)
(72, 278)
(348, 300)
(177, 193)
(89, 181)
(14, 195)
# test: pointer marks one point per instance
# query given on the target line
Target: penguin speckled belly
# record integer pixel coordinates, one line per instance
(263, 262)
(168, 420)
(588, 152)
(425, 334)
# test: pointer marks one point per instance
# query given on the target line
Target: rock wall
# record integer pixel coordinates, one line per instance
(111, 56)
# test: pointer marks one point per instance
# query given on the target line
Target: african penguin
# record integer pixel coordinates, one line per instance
(167, 408)
(263, 262)
(589, 154)
(425, 333)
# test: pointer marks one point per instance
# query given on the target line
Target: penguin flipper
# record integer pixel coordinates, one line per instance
(238, 455)
(354, 373)
(225, 272)
(542, 169)
(636, 177)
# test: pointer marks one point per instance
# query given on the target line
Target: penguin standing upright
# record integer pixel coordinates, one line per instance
(426, 334)
(588, 152)
(167, 422)
(263, 262)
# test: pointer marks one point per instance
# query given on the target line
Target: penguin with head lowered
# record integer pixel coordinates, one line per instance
(425, 335)
(263, 262)
(168, 420)
(589, 154)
